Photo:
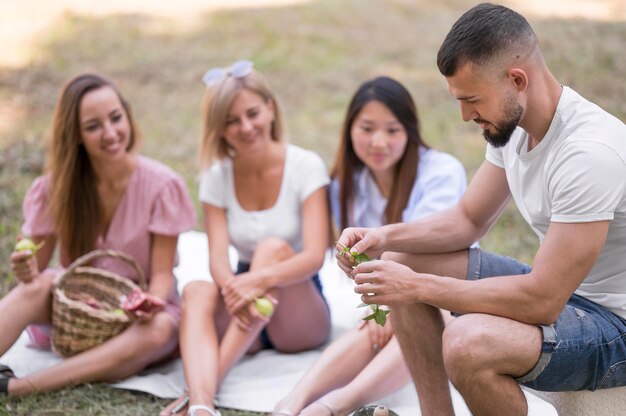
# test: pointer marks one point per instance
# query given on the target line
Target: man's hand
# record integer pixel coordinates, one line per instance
(386, 282)
(361, 240)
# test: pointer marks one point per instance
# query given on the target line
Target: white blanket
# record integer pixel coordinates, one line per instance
(256, 383)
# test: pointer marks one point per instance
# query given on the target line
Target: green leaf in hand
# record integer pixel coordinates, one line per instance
(357, 257)
(379, 315)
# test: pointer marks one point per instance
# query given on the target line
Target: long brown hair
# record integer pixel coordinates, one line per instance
(74, 202)
(398, 100)
(215, 106)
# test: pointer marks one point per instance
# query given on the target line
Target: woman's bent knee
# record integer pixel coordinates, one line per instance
(40, 289)
(274, 248)
(199, 295)
(159, 332)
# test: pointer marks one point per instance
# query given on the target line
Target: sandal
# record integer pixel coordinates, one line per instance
(193, 408)
(178, 407)
(5, 375)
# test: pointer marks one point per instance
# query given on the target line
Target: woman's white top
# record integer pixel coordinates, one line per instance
(440, 183)
(303, 174)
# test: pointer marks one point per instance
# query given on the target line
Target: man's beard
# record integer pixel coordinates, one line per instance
(505, 128)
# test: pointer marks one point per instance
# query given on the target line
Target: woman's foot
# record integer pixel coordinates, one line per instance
(283, 412)
(178, 407)
(287, 407)
(318, 408)
(202, 410)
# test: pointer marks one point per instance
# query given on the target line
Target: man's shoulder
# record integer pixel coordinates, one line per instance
(587, 120)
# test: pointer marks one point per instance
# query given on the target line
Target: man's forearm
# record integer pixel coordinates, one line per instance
(444, 232)
(515, 297)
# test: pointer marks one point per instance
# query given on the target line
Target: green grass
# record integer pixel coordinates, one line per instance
(314, 54)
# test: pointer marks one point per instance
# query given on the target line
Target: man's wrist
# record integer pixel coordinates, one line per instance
(386, 236)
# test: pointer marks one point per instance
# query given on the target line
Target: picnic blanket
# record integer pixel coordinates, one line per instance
(257, 382)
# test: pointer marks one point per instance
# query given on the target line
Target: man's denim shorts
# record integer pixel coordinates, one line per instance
(584, 349)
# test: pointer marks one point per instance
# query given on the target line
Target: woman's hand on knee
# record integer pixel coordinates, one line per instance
(379, 336)
(249, 317)
(239, 292)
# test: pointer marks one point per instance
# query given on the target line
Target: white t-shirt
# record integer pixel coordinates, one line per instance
(440, 183)
(303, 174)
(577, 173)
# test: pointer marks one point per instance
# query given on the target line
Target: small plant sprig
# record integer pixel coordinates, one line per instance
(379, 315)
(357, 257)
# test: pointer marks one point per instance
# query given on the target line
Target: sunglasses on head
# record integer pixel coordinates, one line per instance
(239, 69)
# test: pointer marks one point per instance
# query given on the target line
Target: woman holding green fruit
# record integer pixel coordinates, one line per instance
(97, 193)
(383, 173)
(268, 199)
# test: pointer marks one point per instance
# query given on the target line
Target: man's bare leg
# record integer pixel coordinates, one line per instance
(419, 329)
(483, 354)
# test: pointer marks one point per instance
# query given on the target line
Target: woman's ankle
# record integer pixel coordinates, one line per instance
(20, 387)
(289, 405)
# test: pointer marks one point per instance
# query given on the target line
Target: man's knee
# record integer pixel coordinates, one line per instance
(402, 258)
(466, 345)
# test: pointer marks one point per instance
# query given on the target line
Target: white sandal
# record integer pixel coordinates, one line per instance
(195, 407)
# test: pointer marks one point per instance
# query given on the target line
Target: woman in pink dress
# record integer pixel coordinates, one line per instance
(97, 193)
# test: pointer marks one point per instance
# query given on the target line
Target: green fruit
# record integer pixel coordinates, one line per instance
(264, 306)
(27, 244)
(118, 311)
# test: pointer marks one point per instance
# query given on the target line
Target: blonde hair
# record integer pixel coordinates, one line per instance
(215, 107)
(75, 206)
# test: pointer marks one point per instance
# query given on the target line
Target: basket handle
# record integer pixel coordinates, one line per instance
(86, 258)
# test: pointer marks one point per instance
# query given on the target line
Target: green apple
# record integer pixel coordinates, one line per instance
(27, 244)
(264, 306)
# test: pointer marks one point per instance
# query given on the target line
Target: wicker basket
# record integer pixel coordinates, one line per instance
(86, 304)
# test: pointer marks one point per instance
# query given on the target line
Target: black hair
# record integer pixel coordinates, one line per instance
(482, 33)
(398, 100)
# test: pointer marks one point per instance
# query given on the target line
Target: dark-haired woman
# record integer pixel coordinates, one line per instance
(383, 173)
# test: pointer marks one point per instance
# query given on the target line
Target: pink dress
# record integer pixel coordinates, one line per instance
(156, 201)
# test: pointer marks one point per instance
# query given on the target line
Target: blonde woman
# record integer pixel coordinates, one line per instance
(268, 199)
(97, 193)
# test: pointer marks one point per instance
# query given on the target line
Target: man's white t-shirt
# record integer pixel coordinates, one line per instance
(304, 173)
(577, 173)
